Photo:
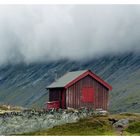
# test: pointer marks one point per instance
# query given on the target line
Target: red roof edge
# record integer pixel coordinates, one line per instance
(88, 72)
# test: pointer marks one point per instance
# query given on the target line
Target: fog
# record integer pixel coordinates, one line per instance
(42, 33)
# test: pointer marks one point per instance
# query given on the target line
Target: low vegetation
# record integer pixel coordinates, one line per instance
(94, 126)
(134, 128)
(17, 121)
(89, 126)
(9, 108)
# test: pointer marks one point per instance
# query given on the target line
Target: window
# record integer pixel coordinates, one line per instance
(87, 94)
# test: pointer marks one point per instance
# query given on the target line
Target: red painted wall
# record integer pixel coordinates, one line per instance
(74, 94)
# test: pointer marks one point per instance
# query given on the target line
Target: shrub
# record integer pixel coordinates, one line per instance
(134, 128)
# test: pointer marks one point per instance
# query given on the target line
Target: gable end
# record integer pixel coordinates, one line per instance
(93, 76)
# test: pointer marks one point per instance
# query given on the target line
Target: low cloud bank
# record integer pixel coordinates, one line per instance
(77, 32)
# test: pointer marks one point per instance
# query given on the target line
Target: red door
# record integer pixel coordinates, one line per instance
(87, 94)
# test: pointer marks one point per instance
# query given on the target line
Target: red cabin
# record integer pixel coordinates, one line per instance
(79, 89)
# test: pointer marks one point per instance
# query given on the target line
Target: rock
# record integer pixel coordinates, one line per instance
(71, 110)
(50, 116)
(112, 120)
(101, 112)
(32, 120)
(122, 123)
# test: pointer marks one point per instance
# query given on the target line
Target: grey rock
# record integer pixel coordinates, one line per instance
(32, 121)
(121, 123)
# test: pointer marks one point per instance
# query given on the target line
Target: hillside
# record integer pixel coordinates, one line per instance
(24, 85)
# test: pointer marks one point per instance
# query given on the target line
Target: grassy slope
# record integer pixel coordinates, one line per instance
(92, 126)
(126, 98)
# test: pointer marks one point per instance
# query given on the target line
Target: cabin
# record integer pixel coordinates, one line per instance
(79, 89)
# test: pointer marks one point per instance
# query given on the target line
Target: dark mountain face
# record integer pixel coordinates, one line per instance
(25, 85)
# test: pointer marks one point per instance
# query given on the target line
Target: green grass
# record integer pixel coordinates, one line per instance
(93, 126)
(134, 128)
(84, 127)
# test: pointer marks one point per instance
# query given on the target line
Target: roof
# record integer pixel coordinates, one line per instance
(65, 79)
(72, 77)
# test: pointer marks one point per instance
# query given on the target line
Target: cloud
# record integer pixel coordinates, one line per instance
(51, 32)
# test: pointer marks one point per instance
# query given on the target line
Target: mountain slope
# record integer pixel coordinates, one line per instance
(25, 84)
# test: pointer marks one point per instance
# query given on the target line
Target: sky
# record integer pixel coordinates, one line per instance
(42, 33)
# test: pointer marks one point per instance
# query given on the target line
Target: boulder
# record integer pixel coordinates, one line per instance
(101, 112)
(121, 123)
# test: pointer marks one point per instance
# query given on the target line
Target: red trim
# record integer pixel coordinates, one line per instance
(53, 105)
(88, 72)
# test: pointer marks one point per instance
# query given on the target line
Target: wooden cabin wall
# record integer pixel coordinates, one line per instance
(58, 94)
(74, 94)
(55, 94)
